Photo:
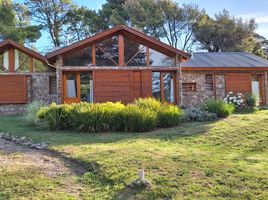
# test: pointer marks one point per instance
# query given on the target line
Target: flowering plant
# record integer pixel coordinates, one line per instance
(237, 99)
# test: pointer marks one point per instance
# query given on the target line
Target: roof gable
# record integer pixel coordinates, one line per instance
(10, 43)
(126, 31)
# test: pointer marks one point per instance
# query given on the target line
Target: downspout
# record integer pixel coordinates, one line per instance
(180, 84)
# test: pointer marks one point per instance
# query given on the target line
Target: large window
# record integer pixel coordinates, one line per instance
(159, 59)
(39, 66)
(21, 61)
(135, 54)
(86, 87)
(79, 58)
(71, 86)
(107, 52)
(4, 65)
(163, 86)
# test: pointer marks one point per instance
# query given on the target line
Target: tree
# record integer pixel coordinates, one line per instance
(15, 24)
(51, 14)
(165, 20)
(225, 33)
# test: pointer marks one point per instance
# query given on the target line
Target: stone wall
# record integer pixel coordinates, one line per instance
(37, 90)
(201, 94)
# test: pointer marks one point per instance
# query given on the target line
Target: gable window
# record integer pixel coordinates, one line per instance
(52, 85)
(39, 66)
(135, 53)
(209, 82)
(159, 59)
(4, 62)
(189, 87)
(107, 52)
(81, 57)
(21, 62)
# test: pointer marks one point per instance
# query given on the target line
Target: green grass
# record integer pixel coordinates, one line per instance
(226, 159)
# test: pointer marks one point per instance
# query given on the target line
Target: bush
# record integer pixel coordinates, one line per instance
(148, 103)
(169, 115)
(251, 101)
(56, 117)
(220, 108)
(97, 117)
(237, 99)
(196, 114)
(139, 119)
(31, 113)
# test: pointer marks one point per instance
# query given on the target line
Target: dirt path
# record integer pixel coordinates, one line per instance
(49, 164)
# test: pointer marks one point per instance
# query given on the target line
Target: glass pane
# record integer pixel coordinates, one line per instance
(159, 59)
(21, 62)
(86, 87)
(135, 54)
(4, 62)
(107, 52)
(38, 66)
(168, 87)
(71, 86)
(156, 88)
(79, 58)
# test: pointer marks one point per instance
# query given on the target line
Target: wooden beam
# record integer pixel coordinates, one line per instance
(147, 56)
(11, 59)
(162, 87)
(121, 50)
(94, 54)
(214, 85)
(31, 64)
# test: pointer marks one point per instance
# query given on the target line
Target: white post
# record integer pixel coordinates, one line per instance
(141, 174)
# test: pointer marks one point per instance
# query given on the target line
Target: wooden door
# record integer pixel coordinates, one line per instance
(71, 87)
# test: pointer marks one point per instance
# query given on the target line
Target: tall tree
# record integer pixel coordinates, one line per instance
(225, 33)
(15, 23)
(51, 14)
(165, 20)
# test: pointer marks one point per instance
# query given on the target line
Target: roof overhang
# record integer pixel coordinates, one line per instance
(128, 32)
(6, 44)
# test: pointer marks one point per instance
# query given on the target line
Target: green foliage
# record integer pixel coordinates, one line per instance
(197, 114)
(169, 116)
(220, 108)
(31, 112)
(56, 116)
(143, 115)
(251, 101)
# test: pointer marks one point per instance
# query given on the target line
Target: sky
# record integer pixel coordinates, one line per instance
(246, 9)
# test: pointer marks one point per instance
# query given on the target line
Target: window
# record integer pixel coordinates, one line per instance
(135, 53)
(107, 52)
(189, 87)
(39, 66)
(52, 85)
(159, 59)
(163, 86)
(209, 82)
(4, 65)
(21, 62)
(86, 87)
(79, 58)
(71, 84)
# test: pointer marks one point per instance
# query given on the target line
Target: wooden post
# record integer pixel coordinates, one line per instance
(162, 87)
(11, 60)
(31, 64)
(121, 50)
(94, 54)
(214, 85)
(147, 56)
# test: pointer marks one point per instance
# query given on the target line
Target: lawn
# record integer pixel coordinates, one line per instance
(226, 159)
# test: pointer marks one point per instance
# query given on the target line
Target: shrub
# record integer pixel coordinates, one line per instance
(148, 103)
(31, 113)
(139, 119)
(251, 101)
(237, 99)
(97, 117)
(57, 117)
(196, 114)
(169, 115)
(220, 108)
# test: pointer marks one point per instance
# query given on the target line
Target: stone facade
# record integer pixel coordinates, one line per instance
(37, 90)
(201, 94)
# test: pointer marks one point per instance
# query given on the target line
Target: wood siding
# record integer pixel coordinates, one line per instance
(13, 89)
(121, 85)
(238, 83)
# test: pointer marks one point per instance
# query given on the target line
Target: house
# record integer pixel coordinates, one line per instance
(122, 64)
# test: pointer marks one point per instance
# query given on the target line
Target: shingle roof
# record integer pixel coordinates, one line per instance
(225, 59)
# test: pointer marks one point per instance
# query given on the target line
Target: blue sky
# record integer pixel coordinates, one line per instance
(246, 9)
